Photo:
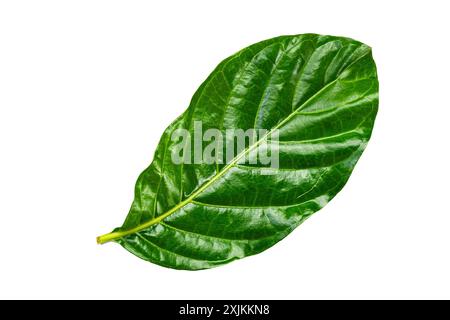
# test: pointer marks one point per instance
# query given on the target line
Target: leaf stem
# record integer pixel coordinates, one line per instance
(108, 237)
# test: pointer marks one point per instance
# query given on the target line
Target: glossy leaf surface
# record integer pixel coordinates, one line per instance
(319, 92)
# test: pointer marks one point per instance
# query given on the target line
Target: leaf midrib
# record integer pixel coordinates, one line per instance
(120, 234)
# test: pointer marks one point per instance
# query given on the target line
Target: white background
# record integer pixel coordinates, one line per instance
(87, 88)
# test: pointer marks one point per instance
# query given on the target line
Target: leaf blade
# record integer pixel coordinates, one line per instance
(193, 216)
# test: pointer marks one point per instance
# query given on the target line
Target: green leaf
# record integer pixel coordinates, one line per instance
(319, 93)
